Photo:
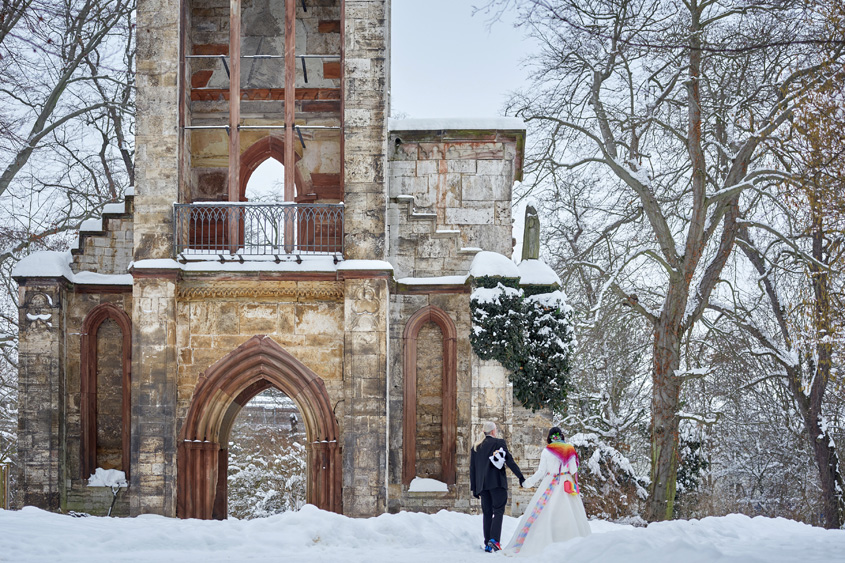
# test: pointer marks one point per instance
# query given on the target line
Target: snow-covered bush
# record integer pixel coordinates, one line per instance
(496, 307)
(532, 337)
(610, 486)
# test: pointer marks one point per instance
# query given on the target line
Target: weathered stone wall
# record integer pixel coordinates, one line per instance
(429, 401)
(366, 86)
(304, 318)
(109, 360)
(109, 252)
(41, 388)
(450, 195)
(97, 500)
(157, 157)
(527, 440)
(153, 445)
(364, 424)
(80, 497)
(402, 306)
(156, 127)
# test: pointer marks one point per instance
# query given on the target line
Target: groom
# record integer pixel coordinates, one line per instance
(489, 483)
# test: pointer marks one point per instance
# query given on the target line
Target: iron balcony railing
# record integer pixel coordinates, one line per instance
(257, 229)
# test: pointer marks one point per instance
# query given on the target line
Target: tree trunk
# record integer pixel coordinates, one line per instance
(830, 478)
(824, 449)
(666, 394)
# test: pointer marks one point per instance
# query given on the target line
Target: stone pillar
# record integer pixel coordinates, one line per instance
(157, 127)
(364, 432)
(153, 481)
(153, 476)
(41, 387)
(365, 97)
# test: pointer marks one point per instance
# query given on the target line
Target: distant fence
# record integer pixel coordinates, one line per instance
(5, 468)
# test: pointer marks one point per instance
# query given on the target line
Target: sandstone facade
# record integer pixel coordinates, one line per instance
(137, 350)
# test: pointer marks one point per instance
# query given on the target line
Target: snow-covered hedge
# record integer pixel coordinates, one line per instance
(531, 336)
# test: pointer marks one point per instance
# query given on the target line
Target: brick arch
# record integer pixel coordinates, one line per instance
(88, 385)
(221, 391)
(255, 155)
(448, 392)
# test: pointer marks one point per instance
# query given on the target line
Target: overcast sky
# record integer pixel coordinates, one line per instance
(448, 63)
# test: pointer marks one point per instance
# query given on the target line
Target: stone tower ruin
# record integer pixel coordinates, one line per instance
(348, 290)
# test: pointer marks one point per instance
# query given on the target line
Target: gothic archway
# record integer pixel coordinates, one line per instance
(202, 457)
(260, 151)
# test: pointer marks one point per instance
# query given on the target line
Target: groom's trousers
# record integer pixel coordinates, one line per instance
(493, 502)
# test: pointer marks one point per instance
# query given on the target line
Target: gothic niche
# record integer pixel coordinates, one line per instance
(104, 390)
(430, 396)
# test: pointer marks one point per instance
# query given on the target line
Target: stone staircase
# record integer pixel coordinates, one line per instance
(436, 251)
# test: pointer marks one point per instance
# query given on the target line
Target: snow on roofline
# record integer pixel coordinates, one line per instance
(488, 263)
(438, 280)
(453, 123)
(537, 272)
(53, 264)
(308, 264)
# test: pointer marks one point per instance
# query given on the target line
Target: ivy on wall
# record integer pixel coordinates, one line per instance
(529, 331)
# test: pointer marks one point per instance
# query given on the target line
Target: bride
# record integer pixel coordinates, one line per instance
(555, 512)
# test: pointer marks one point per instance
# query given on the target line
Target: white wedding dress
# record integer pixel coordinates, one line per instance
(561, 518)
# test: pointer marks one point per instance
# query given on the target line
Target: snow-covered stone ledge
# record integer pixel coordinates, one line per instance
(318, 264)
(458, 123)
(111, 478)
(56, 265)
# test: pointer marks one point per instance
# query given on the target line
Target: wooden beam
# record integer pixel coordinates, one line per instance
(234, 117)
(234, 98)
(290, 96)
(290, 114)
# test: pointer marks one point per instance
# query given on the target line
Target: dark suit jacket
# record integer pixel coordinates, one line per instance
(483, 475)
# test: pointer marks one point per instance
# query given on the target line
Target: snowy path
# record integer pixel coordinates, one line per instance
(312, 535)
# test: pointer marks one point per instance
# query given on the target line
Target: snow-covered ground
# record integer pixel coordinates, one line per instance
(314, 536)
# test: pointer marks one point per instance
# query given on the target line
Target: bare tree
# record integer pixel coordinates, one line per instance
(673, 108)
(66, 141)
(67, 80)
(797, 251)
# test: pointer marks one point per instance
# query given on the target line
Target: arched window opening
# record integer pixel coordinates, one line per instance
(430, 396)
(266, 183)
(267, 457)
(105, 380)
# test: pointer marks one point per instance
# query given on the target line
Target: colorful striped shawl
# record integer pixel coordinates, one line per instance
(564, 452)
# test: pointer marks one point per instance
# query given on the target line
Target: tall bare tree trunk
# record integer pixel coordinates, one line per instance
(811, 403)
(666, 394)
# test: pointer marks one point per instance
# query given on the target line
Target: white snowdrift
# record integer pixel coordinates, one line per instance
(107, 478)
(493, 264)
(537, 272)
(312, 535)
(424, 485)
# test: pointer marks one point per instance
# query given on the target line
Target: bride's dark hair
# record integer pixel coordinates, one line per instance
(552, 431)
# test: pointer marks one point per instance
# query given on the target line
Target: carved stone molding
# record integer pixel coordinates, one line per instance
(39, 309)
(319, 291)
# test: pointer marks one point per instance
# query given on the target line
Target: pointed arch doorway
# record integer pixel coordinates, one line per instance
(202, 456)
